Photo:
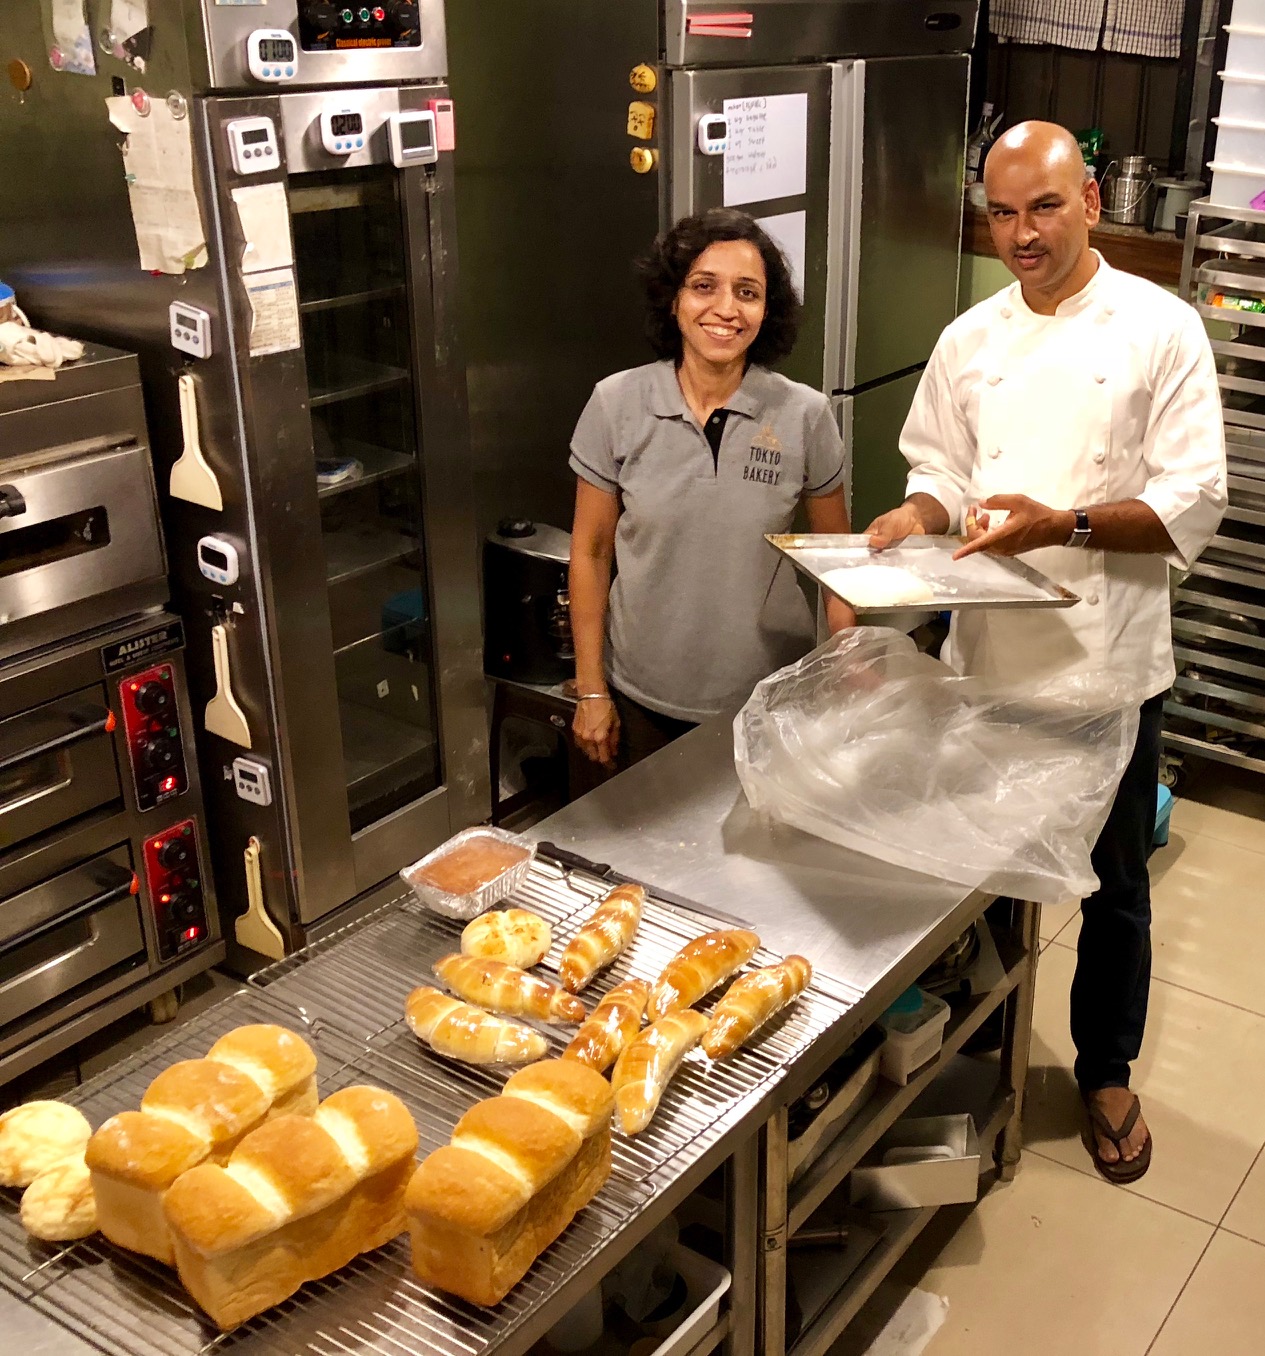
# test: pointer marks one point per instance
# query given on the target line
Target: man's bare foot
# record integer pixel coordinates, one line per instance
(1114, 1104)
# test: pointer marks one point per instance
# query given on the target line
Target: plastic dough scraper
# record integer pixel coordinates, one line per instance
(223, 715)
(191, 477)
(254, 928)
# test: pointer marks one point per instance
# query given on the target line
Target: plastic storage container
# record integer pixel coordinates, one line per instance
(1163, 813)
(1245, 51)
(926, 1160)
(915, 1031)
(1243, 96)
(466, 847)
(1240, 141)
(1235, 185)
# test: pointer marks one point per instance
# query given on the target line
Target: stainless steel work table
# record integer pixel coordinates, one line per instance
(679, 823)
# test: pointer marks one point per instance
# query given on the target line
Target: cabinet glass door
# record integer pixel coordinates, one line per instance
(351, 259)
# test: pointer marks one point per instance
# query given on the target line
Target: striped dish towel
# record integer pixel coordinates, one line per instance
(1150, 28)
(1064, 23)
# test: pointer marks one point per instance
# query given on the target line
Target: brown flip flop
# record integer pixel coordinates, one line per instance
(1120, 1173)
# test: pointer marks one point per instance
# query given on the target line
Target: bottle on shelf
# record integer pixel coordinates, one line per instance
(980, 140)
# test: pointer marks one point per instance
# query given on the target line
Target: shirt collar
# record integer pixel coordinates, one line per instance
(1093, 292)
(668, 402)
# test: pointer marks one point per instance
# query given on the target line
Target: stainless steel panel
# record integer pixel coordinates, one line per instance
(871, 422)
(902, 245)
(56, 762)
(93, 884)
(799, 30)
(697, 181)
(300, 126)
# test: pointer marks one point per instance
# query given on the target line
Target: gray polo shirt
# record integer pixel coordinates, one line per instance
(702, 607)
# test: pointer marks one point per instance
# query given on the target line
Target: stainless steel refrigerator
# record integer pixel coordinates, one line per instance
(839, 123)
(328, 580)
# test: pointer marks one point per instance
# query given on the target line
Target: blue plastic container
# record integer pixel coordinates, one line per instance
(1163, 813)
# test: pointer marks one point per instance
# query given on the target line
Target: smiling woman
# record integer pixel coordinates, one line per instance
(682, 466)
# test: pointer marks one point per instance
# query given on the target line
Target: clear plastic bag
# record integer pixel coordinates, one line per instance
(872, 745)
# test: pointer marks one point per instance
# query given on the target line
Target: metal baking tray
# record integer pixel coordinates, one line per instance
(978, 581)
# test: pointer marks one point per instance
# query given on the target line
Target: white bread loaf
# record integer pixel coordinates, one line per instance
(518, 1169)
(195, 1110)
(299, 1198)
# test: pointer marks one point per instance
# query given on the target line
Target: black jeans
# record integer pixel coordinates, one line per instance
(641, 733)
(1113, 967)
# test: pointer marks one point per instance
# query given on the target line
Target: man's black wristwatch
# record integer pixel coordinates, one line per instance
(1081, 532)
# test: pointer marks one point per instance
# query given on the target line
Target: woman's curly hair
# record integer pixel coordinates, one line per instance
(667, 264)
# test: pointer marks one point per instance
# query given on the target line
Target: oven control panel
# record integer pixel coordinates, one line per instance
(174, 875)
(152, 725)
(330, 26)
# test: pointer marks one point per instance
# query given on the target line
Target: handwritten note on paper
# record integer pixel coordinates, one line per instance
(788, 231)
(264, 214)
(768, 148)
(274, 312)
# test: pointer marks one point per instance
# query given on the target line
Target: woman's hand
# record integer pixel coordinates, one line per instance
(839, 616)
(596, 729)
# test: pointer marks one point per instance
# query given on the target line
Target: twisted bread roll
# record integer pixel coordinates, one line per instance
(698, 967)
(519, 1166)
(59, 1205)
(300, 1197)
(514, 936)
(459, 1031)
(506, 988)
(194, 1110)
(36, 1135)
(606, 935)
(752, 999)
(644, 1069)
(613, 1023)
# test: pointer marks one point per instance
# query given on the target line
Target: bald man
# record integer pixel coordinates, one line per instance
(1074, 418)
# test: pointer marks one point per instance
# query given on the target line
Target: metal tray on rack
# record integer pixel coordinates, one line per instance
(958, 585)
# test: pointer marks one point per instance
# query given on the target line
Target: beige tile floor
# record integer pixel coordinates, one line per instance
(1058, 1261)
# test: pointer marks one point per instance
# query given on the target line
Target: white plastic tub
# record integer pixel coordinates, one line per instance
(705, 1285)
(1240, 141)
(1243, 96)
(912, 1038)
(1245, 52)
(1235, 185)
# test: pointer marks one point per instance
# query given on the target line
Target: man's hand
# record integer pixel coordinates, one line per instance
(839, 616)
(1027, 527)
(890, 529)
(596, 730)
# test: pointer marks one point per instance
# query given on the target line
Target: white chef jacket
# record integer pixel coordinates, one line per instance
(1113, 397)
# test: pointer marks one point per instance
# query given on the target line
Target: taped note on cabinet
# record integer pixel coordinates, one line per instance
(788, 232)
(72, 39)
(264, 214)
(274, 311)
(158, 165)
(768, 148)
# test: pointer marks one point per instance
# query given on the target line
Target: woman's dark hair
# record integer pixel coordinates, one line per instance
(667, 264)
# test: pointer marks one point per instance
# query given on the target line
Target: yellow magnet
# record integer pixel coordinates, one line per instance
(640, 120)
(643, 78)
(643, 159)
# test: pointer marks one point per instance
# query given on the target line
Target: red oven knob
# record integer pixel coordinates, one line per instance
(160, 754)
(152, 698)
(184, 908)
(174, 854)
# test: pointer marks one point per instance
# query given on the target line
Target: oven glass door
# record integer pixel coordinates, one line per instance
(351, 260)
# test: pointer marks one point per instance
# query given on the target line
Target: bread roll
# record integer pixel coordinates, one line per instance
(514, 936)
(698, 967)
(458, 1031)
(59, 1205)
(36, 1135)
(299, 1198)
(281, 1063)
(506, 988)
(751, 1000)
(605, 936)
(520, 1166)
(646, 1066)
(612, 1024)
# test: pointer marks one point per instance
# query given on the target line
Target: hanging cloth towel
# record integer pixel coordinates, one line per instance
(1150, 28)
(1064, 23)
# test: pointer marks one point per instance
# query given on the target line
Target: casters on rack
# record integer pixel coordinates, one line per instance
(163, 1009)
(1173, 773)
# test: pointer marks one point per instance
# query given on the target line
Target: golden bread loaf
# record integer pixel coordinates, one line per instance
(646, 1066)
(59, 1205)
(605, 936)
(752, 999)
(699, 967)
(35, 1135)
(458, 1030)
(507, 989)
(610, 1026)
(514, 936)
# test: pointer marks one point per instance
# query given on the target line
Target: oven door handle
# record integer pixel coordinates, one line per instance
(124, 882)
(79, 725)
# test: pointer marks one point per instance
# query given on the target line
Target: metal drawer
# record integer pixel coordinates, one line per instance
(67, 932)
(56, 762)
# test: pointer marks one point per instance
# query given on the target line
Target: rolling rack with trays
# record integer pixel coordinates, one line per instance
(1217, 705)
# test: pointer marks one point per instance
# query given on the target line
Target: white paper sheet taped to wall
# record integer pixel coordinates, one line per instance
(274, 306)
(768, 148)
(788, 231)
(158, 162)
(72, 39)
(264, 215)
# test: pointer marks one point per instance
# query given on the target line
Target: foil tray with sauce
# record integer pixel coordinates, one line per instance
(977, 581)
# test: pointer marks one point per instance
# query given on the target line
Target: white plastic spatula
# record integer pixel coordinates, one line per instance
(191, 477)
(254, 928)
(223, 715)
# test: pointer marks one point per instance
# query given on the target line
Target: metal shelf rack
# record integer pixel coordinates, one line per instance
(1217, 706)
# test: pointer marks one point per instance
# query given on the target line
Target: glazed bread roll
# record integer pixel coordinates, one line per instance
(698, 967)
(606, 935)
(514, 936)
(506, 988)
(752, 999)
(646, 1066)
(59, 1205)
(299, 1197)
(613, 1023)
(459, 1031)
(517, 1170)
(36, 1135)
(197, 1109)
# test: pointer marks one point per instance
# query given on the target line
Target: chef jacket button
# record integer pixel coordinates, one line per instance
(1109, 310)
(994, 452)
(1100, 457)
(1092, 599)
(1099, 378)
(994, 379)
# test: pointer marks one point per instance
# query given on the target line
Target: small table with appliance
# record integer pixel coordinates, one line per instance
(551, 704)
